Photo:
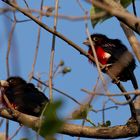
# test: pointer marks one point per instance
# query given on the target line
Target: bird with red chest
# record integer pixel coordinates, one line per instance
(109, 51)
(23, 96)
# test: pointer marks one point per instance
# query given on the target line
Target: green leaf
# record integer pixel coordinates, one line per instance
(95, 10)
(51, 123)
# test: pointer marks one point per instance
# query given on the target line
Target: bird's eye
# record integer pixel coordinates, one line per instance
(95, 39)
(11, 80)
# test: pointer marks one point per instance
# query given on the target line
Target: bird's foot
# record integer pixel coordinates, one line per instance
(116, 81)
(106, 67)
(11, 111)
(7, 109)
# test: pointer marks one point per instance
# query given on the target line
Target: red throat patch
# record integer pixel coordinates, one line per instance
(101, 55)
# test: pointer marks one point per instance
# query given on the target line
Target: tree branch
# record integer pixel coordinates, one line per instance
(121, 131)
(127, 18)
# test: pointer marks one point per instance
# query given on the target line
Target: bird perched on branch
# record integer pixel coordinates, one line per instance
(23, 96)
(114, 54)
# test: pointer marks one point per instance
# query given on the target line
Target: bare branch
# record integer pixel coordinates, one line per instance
(122, 131)
(53, 51)
(132, 40)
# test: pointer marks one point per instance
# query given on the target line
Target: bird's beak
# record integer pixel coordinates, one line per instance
(86, 42)
(4, 83)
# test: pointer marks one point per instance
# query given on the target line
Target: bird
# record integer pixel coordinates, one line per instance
(112, 51)
(23, 96)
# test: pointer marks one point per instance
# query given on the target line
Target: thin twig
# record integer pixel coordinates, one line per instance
(26, 4)
(112, 99)
(134, 8)
(7, 121)
(15, 133)
(9, 47)
(103, 112)
(1, 121)
(85, 12)
(135, 92)
(108, 108)
(83, 123)
(81, 7)
(60, 16)
(7, 66)
(55, 89)
(53, 51)
(37, 46)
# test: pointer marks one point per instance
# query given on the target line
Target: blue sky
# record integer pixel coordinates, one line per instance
(83, 74)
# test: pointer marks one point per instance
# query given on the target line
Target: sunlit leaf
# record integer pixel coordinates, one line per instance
(81, 113)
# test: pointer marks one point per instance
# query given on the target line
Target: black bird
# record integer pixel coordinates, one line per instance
(113, 51)
(24, 97)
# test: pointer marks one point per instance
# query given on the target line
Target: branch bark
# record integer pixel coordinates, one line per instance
(121, 131)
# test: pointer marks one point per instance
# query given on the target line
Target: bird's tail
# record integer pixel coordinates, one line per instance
(135, 85)
(134, 81)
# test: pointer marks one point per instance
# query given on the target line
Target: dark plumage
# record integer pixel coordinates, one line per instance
(24, 97)
(110, 51)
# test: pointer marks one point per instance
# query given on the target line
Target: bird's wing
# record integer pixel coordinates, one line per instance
(115, 48)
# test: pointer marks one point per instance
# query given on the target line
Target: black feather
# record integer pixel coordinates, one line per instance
(119, 53)
(25, 96)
